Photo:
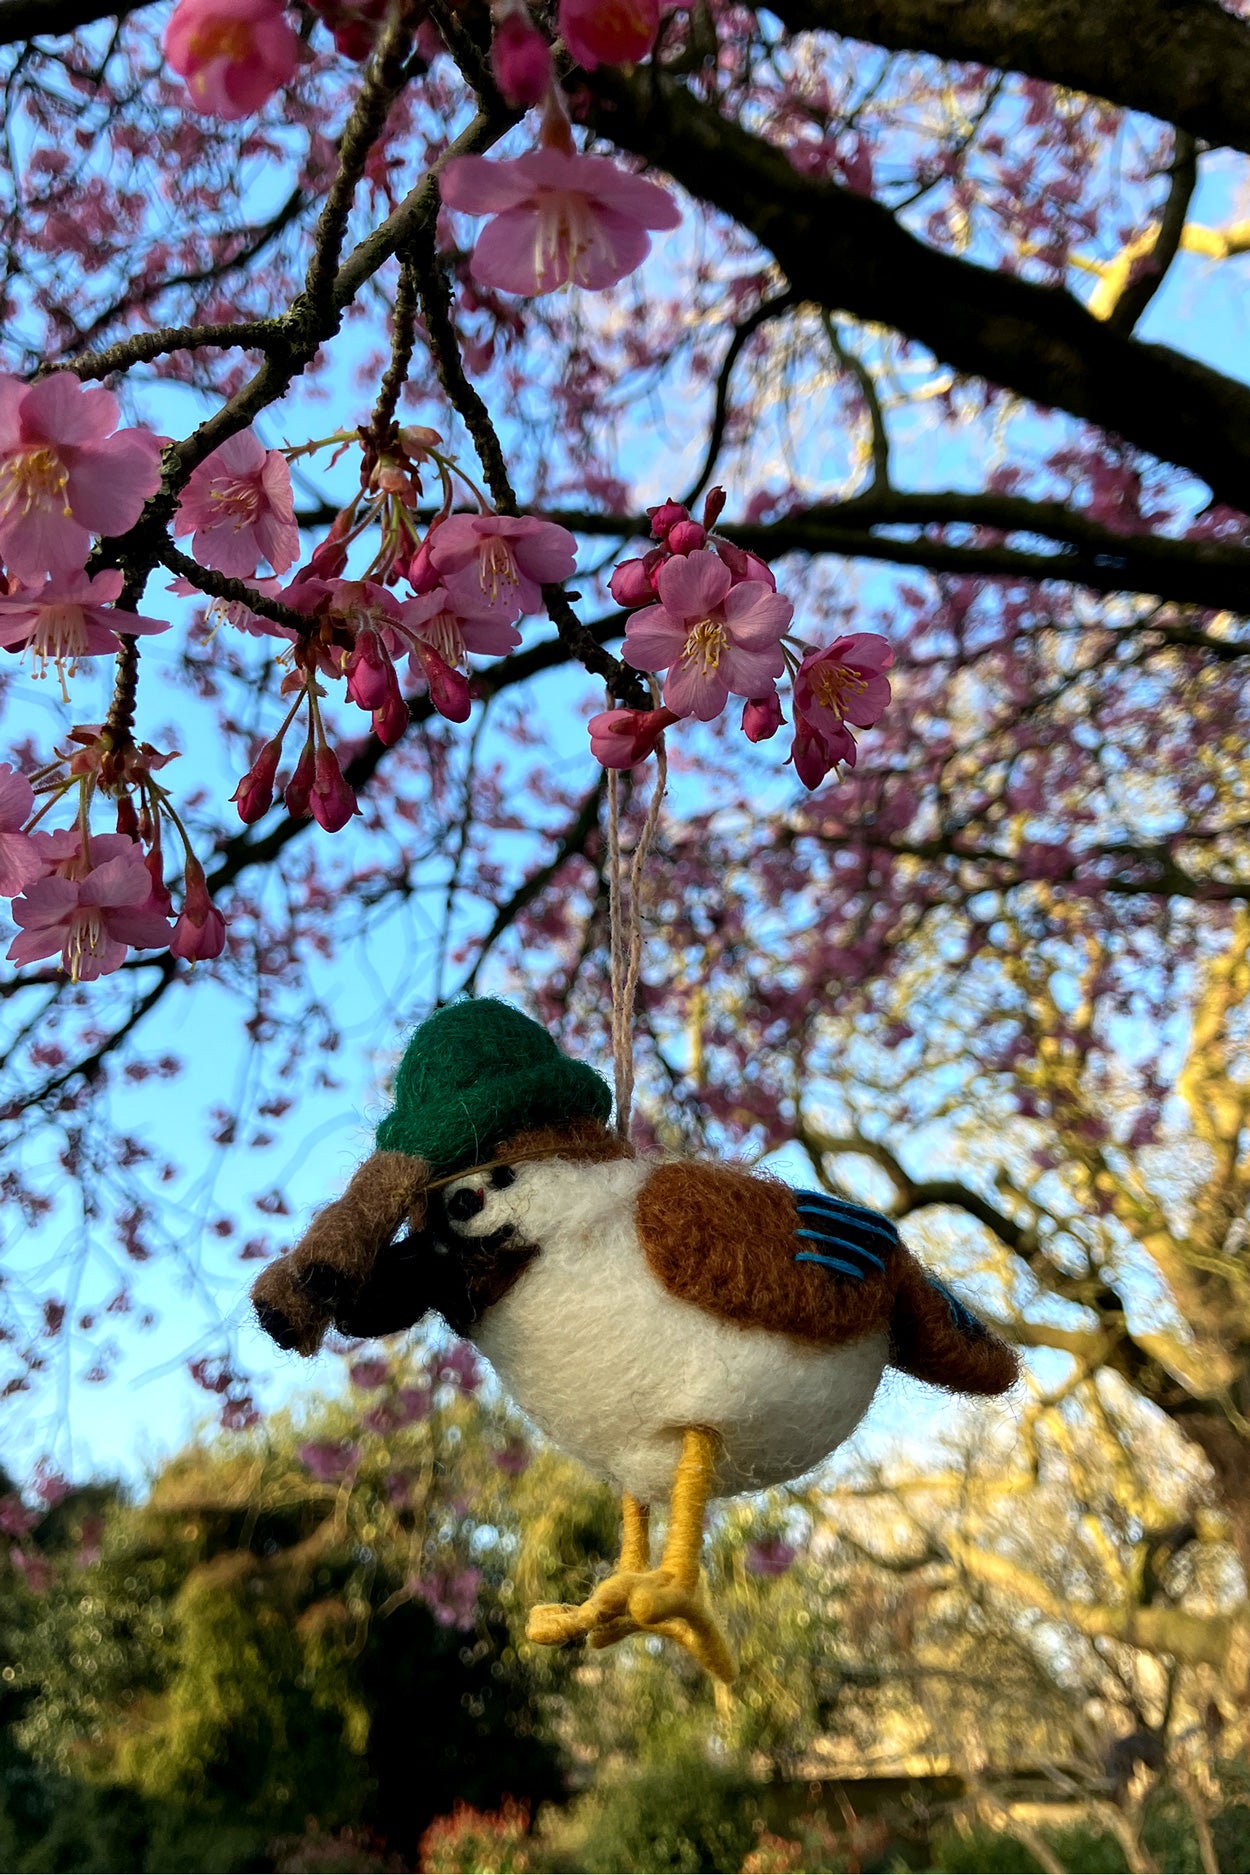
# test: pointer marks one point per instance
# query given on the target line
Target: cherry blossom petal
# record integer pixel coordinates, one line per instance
(477, 186)
(690, 689)
(693, 585)
(756, 615)
(109, 481)
(20, 863)
(62, 409)
(654, 639)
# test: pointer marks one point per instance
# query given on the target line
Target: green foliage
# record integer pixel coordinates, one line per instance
(259, 1651)
(680, 1812)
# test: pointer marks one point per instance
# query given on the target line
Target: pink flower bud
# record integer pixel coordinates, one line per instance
(630, 584)
(254, 794)
(390, 722)
(369, 671)
(744, 565)
(619, 34)
(667, 515)
(686, 537)
(761, 717)
(622, 738)
(298, 789)
(331, 799)
(520, 59)
(449, 689)
(423, 575)
(160, 901)
(324, 562)
(200, 932)
(713, 506)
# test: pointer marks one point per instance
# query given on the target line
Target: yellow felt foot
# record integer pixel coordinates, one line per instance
(553, 1624)
(668, 1601)
(680, 1611)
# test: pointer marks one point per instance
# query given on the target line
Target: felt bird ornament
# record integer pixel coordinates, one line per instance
(686, 1329)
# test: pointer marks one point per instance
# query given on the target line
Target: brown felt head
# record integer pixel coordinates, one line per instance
(299, 1296)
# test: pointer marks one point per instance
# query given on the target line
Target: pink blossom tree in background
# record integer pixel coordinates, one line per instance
(420, 409)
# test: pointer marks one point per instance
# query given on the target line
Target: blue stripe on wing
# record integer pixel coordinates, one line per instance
(861, 1238)
(970, 1326)
(831, 1263)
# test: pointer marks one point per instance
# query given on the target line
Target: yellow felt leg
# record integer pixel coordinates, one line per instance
(636, 1542)
(668, 1601)
(552, 1624)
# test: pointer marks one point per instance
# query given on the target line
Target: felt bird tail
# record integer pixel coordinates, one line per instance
(934, 1336)
(329, 1273)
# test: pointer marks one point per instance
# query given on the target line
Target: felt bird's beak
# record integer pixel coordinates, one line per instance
(347, 1270)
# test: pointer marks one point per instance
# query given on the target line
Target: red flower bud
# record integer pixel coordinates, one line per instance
(630, 584)
(369, 671)
(713, 506)
(331, 799)
(449, 689)
(623, 738)
(254, 794)
(520, 59)
(390, 722)
(686, 537)
(667, 515)
(200, 932)
(761, 717)
(423, 576)
(744, 565)
(299, 788)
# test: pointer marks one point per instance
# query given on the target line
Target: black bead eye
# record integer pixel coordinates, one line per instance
(465, 1203)
(502, 1176)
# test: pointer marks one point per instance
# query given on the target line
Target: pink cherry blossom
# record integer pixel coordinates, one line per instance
(234, 54)
(19, 856)
(622, 738)
(711, 636)
(558, 219)
(64, 475)
(68, 619)
(498, 563)
(609, 32)
(238, 504)
(844, 683)
(520, 58)
(91, 910)
(439, 619)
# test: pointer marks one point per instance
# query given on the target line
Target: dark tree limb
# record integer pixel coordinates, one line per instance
(1185, 61)
(849, 254)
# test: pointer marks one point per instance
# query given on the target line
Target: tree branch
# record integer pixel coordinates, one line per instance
(847, 253)
(1187, 64)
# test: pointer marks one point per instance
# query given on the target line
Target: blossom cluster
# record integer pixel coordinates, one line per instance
(558, 217)
(67, 475)
(708, 613)
(702, 611)
(469, 579)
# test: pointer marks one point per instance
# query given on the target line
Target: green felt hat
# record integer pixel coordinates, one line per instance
(476, 1072)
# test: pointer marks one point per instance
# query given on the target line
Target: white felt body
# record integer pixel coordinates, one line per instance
(612, 1367)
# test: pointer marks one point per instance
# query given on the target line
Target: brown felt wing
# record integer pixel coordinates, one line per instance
(730, 1241)
(805, 1263)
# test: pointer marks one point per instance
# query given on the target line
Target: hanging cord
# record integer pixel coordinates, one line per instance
(625, 930)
